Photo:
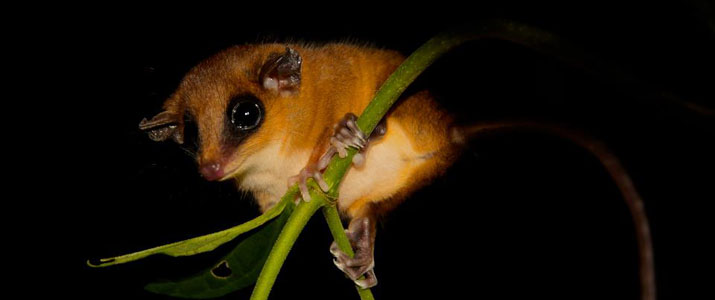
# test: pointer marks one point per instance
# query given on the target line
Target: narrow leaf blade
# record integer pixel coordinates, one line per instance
(195, 245)
(237, 270)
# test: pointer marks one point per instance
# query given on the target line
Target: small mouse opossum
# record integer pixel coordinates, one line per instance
(272, 115)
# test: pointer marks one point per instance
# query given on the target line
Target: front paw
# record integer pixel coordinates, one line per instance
(302, 180)
(346, 134)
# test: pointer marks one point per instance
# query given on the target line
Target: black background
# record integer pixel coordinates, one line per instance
(519, 215)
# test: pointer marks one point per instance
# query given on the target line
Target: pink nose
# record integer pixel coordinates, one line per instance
(211, 171)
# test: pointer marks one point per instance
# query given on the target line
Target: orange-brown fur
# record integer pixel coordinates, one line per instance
(335, 79)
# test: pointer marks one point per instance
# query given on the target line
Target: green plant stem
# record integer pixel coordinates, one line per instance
(375, 111)
(289, 234)
(335, 225)
(338, 232)
(389, 92)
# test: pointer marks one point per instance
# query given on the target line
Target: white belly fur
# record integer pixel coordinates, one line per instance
(390, 161)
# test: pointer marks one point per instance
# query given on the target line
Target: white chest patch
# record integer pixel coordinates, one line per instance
(266, 172)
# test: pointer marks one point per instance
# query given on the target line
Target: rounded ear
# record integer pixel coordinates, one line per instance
(281, 72)
(163, 126)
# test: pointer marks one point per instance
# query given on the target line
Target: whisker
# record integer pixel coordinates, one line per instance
(188, 152)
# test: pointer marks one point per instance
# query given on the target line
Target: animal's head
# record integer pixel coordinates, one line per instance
(232, 97)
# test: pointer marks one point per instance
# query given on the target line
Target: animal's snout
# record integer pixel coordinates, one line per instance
(211, 171)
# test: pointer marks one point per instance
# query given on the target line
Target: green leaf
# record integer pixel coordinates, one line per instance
(237, 270)
(199, 244)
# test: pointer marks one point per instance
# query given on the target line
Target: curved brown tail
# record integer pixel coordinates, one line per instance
(616, 171)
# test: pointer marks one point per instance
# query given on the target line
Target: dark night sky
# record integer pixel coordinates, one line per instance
(520, 214)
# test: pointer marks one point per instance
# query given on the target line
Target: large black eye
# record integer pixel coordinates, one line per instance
(245, 112)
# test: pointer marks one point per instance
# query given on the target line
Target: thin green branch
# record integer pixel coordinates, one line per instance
(338, 232)
(371, 116)
(335, 225)
(298, 219)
